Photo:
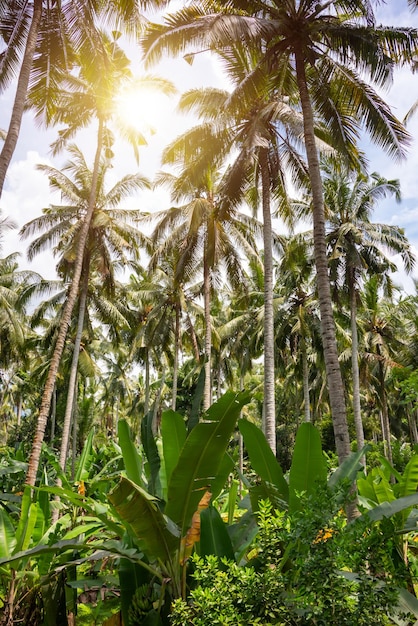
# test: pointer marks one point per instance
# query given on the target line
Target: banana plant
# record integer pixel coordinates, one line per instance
(193, 466)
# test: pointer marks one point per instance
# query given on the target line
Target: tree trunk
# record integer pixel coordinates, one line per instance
(328, 333)
(269, 406)
(207, 393)
(65, 322)
(73, 372)
(21, 92)
(358, 423)
(385, 415)
(147, 383)
(305, 373)
(176, 356)
(53, 415)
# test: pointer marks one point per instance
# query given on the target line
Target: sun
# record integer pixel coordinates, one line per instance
(143, 106)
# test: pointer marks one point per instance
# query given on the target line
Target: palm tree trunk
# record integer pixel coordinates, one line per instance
(207, 393)
(147, 383)
(269, 406)
(329, 339)
(305, 374)
(21, 92)
(73, 371)
(358, 423)
(385, 415)
(176, 357)
(53, 414)
(65, 321)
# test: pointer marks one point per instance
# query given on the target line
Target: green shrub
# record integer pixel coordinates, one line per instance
(309, 567)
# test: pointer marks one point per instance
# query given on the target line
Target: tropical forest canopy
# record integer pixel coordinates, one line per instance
(262, 291)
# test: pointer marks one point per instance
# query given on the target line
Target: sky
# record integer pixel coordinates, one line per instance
(27, 191)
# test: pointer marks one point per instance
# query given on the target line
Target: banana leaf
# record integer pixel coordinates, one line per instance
(308, 465)
(201, 458)
(387, 509)
(349, 468)
(214, 537)
(7, 535)
(151, 452)
(131, 457)
(142, 516)
(173, 433)
(262, 458)
(85, 459)
(408, 483)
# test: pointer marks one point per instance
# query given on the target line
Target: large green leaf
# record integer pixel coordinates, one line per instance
(348, 469)
(263, 461)
(242, 534)
(140, 513)
(7, 535)
(214, 538)
(85, 459)
(409, 479)
(151, 452)
(387, 509)
(131, 576)
(308, 465)
(130, 454)
(173, 433)
(201, 458)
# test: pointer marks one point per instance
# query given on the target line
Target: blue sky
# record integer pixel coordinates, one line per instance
(27, 192)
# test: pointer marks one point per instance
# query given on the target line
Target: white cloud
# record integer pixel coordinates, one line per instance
(26, 194)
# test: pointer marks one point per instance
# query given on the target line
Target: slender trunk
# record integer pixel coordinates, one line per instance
(305, 374)
(53, 414)
(147, 383)
(329, 339)
(21, 92)
(358, 423)
(269, 408)
(385, 415)
(65, 322)
(193, 339)
(207, 393)
(73, 371)
(176, 356)
(74, 433)
(19, 410)
(69, 415)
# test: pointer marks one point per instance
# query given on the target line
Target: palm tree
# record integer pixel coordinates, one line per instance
(297, 322)
(384, 337)
(51, 34)
(357, 246)
(330, 47)
(90, 96)
(205, 234)
(259, 131)
(111, 236)
(167, 303)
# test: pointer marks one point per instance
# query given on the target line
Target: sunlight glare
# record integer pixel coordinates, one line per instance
(143, 108)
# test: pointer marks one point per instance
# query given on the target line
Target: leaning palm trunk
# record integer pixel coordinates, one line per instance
(269, 409)
(20, 96)
(69, 407)
(329, 340)
(358, 423)
(207, 392)
(65, 322)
